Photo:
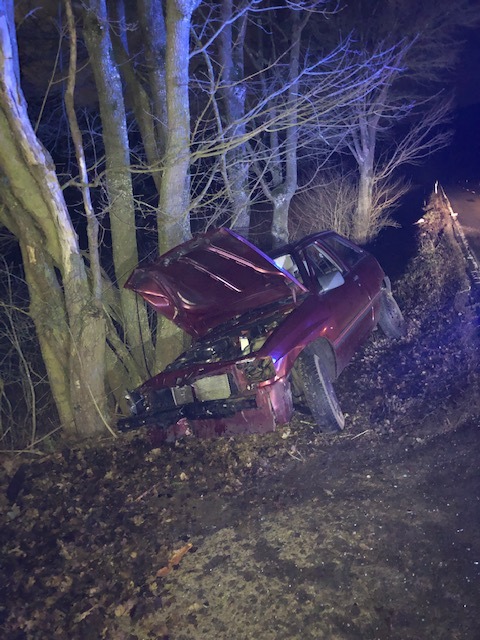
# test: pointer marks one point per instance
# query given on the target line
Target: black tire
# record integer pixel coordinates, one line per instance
(391, 320)
(312, 370)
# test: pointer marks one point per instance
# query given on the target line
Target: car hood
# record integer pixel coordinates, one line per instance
(211, 279)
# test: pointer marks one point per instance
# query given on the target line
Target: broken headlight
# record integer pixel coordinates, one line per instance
(258, 369)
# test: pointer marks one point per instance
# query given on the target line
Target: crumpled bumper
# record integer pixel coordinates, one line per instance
(260, 413)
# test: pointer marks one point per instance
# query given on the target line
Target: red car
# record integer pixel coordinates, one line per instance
(261, 324)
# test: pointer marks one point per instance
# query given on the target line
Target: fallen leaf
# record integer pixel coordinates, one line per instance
(174, 560)
(178, 554)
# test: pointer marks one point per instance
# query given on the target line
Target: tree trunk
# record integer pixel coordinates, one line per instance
(282, 196)
(35, 211)
(362, 220)
(280, 199)
(233, 100)
(139, 101)
(154, 38)
(173, 215)
(362, 145)
(174, 221)
(50, 321)
(118, 180)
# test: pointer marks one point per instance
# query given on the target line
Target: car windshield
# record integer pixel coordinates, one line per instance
(287, 262)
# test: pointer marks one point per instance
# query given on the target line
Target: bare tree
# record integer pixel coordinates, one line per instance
(368, 123)
(402, 119)
(66, 315)
(291, 94)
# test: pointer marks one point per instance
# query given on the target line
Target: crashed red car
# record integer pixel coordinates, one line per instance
(261, 325)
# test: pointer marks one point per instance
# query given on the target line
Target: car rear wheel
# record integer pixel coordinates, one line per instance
(391, 320)
(313, 373)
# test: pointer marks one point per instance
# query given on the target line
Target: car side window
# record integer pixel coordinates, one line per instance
(345, 252)
(322, 268)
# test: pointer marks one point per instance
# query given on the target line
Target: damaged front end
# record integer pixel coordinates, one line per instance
(229, 382)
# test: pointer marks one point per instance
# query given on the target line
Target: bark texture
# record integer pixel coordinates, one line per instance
(35, 211)
(118, 180)
(173, 216)
(232, 41)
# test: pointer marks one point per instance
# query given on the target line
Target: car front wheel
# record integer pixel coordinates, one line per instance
(391, 320)
(313, 373)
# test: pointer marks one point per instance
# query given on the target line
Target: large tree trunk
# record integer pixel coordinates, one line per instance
(233, 101)
(282, 195)
(363, 150)
(154, 37)
(173, 216)
(35, 211)
(174, 220)
(362, 220)
(118, 180)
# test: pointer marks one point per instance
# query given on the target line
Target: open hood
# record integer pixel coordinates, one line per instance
(211, 279)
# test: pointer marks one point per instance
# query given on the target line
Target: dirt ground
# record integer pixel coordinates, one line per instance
(368, 535)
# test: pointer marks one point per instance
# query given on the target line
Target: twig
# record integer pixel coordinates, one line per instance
(141, 496)
(295, 454)
(361, 434)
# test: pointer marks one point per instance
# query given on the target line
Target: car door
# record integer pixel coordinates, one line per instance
(339, 289)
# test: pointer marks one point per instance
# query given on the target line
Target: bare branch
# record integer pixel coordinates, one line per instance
(92, 222)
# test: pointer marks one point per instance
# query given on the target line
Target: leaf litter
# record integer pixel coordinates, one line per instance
(372, 533)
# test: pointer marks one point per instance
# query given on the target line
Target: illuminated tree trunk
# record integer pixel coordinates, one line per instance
(281, 195)
(174, 221)
(174, 202)
(118, 181)
(69, 324)
(362, 222)
(233, 101)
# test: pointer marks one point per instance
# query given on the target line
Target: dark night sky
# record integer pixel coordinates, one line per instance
(461, 160)
(468, 71)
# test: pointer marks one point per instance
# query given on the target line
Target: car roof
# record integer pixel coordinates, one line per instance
(291, 247)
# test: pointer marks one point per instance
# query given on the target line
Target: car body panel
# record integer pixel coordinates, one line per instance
(236, 376)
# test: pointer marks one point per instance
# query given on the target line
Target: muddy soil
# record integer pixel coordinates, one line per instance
(363, 536)
(363, 541)
(368, 535)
